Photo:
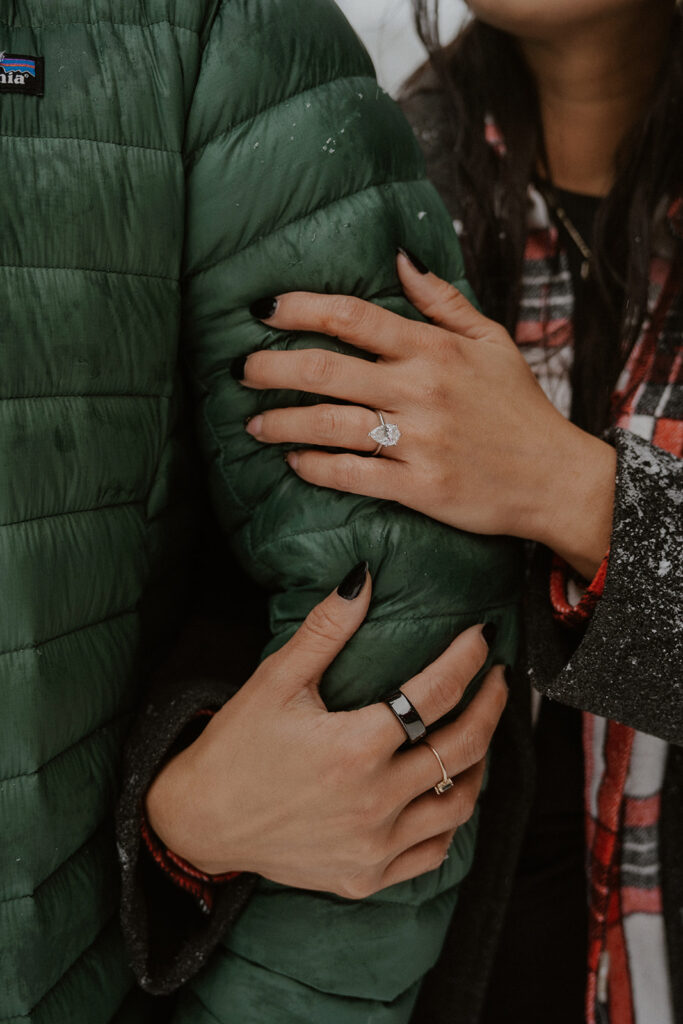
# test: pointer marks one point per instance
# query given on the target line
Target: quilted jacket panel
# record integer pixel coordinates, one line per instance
(187, 158)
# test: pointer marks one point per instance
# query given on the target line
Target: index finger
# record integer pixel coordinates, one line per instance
(436, 690)
(363, 324)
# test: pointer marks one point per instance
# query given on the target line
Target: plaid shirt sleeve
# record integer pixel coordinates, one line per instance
(564, 611)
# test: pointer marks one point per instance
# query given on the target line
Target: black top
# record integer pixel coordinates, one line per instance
(581, 210)
(540, 953)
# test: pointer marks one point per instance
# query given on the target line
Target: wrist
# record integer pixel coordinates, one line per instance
(174, 808)
(163, 803)
(574, 515)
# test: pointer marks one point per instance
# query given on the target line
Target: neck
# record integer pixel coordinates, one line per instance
(594, 85)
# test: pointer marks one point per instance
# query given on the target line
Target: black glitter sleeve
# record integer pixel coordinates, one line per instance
(628, 665)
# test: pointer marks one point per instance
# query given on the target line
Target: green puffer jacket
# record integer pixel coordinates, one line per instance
(186, 158)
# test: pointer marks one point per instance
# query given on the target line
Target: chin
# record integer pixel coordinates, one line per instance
(544, 17)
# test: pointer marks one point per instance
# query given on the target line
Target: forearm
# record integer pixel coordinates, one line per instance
(575, 511)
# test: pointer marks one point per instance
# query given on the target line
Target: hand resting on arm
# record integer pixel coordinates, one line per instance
(482, 447)
(279, 786)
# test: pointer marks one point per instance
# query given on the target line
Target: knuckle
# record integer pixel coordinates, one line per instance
(321, 625)
(435, 309)
(375, 853)
(446, 691)
(443, 345)
(346, 316)
(369, 762)
(348, 758)
(431, 391)
(474, 744)
(358, 741)
(329, 426)
(368, 726)
(371, 811)
(455, 299)
(348, 474)
(444, 298)
(452, 308)
(456, 303)
(317, 369)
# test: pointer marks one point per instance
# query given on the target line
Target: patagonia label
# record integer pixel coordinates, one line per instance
(22, 73)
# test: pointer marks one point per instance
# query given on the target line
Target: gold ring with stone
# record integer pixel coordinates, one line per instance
(446, 782)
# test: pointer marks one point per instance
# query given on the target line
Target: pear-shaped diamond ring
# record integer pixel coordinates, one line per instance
(386, 434)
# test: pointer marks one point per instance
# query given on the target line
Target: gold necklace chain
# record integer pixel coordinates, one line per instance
(573, 232)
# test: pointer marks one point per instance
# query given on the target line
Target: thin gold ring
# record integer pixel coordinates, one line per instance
(446, 782)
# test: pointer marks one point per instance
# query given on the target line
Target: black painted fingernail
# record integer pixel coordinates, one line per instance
(264, 308)
(489, 633)
(351, 586)
(415, 260)
(237, 368)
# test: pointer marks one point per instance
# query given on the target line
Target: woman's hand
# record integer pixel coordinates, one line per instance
(278, 785)
(481, 446)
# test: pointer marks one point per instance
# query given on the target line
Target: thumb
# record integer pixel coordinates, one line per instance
(324, 632)
(443, 303)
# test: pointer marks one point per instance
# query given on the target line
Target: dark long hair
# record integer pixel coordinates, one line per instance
(483, 73)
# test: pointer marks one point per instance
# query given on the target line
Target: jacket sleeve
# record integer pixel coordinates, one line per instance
(168, 930)
(629, 663)
(301, 173)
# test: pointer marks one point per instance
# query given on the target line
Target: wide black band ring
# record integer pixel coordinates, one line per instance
(408, 716)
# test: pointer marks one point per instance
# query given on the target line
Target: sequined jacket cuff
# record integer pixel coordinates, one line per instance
(628, 663)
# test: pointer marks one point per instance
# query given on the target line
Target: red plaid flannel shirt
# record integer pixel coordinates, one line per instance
(646, 401)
